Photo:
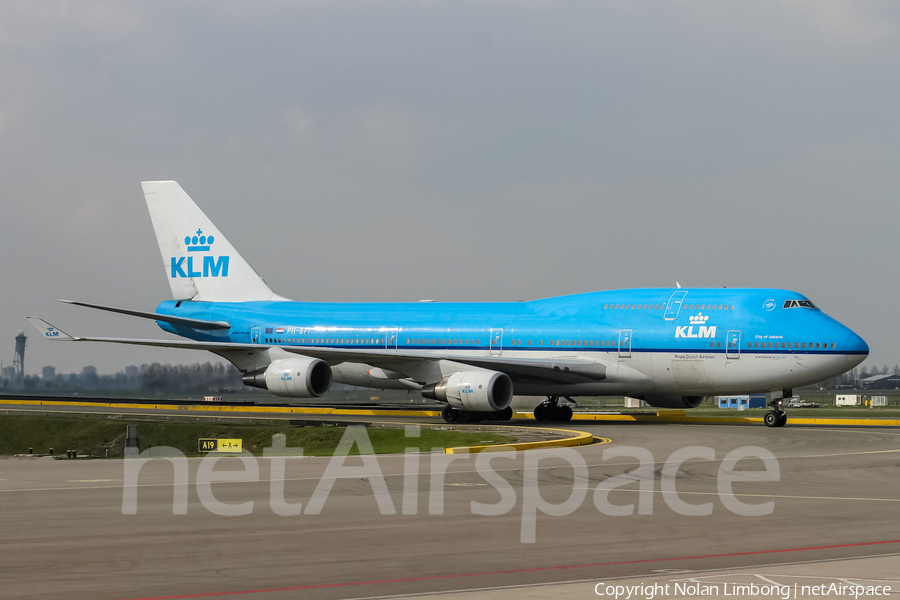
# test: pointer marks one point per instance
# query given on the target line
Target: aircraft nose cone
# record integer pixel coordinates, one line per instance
(857, 350)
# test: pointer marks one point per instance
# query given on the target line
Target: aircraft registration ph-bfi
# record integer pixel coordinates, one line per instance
(669, 346)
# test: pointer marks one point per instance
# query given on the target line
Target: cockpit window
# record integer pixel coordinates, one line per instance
(798, 304)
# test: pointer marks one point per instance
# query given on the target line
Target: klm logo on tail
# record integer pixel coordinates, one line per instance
(211, 266)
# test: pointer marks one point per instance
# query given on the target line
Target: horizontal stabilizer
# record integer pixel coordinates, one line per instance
(49, 331)
(194, 323)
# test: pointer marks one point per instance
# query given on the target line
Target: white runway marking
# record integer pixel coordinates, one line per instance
(623, 489)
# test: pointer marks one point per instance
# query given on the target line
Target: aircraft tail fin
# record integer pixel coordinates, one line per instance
(200, 263)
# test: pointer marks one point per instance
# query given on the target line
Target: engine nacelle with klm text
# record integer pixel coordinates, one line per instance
(473, 390)
(300, 377)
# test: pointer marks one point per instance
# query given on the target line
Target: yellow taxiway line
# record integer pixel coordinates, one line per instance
(679, 416)
(578, 438)
(669, 416)
(212, 407)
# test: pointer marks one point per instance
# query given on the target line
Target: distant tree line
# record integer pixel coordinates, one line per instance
(154, 378)
(190, 378)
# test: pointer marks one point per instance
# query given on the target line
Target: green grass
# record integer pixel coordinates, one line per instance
(95, 435)
(17, 434)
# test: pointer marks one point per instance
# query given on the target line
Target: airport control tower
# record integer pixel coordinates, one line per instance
(19, 358)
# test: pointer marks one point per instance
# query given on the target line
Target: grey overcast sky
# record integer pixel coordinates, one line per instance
(452, 150)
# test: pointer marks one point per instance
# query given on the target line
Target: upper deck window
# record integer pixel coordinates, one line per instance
(798, 304)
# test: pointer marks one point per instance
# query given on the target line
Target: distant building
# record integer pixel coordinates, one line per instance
(48, 373)
(8, 372)
(89, 376)
(881, 382)
(747, 401)
(132, 371)
(19, 358)
(847, 400)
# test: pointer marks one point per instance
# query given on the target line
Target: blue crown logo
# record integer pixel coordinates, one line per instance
(198, 243)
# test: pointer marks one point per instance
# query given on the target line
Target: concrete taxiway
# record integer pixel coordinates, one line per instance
(836, 502)
(848, 578)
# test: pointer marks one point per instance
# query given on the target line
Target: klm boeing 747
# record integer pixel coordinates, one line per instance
(669, 347)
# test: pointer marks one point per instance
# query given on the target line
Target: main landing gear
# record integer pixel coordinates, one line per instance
(551, 410)
(776, 417)
(452, 415)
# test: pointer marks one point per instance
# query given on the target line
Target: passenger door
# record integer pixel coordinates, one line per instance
(496, 342)
(625, 343)
(733, 344)
(254, 335)
(390, 339)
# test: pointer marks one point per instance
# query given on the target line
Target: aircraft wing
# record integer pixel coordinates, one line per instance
(567, 370)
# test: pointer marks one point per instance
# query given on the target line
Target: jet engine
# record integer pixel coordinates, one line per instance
(473, 390)
(300, 377)
(672, 401)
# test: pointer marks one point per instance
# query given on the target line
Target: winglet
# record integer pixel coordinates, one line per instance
(49, 331)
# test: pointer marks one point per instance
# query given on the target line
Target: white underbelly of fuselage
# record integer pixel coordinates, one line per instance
(685, 373)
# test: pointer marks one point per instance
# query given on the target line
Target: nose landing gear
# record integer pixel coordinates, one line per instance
(776, 417)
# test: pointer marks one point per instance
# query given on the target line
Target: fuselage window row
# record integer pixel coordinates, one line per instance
(792, 345)
(663, 306)
(554, 343)
(443, 342)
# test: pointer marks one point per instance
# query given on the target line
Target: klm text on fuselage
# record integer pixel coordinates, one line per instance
(687, 331)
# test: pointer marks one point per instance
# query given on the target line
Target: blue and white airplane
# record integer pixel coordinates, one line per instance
(668, 346)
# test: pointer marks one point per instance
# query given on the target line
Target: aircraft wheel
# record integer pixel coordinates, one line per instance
(506, 414)
(771, 419)
(540, 412)
(449, 414)
(464, 416)
(552, 413)
(782, 420)
(564, 413)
